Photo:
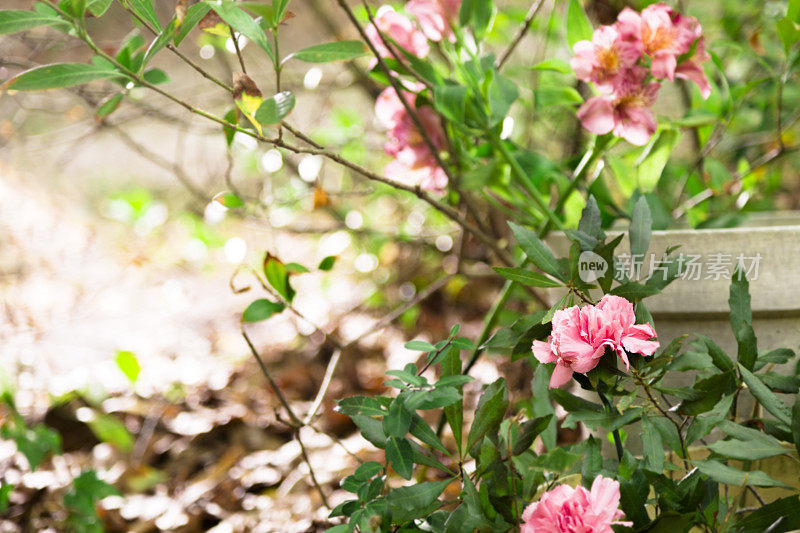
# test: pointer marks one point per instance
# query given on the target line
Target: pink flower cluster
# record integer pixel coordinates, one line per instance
(580, 337)
(434, 17)
(625, 60)
(576, 510)
(413, 162)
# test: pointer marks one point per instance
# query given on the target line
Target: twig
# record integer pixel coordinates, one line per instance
(235, 40)
(532, 12)
(311, 470)
(665, 414)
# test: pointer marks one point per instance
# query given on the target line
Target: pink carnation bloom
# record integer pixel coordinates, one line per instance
(665, 35)
(625, 112)
(609, 54)
(576, 510)
(568, 347)
(617, 329)
(580, 337)
(435, 17)
(399, 28)
(414, 163)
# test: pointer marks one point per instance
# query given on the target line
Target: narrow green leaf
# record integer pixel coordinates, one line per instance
(420, 346)
(397, 420)
(450, 101)
(401, 456)
(528, 433)
(193, 15)
(454, 413)
(652, 445)
(98, 7)
(242, 23)
(641, 228)
(776, 517)
(771, 403)
(261, 310)
(634, 291)
(161, 41)
(578, 26)
(491, 408)
(278, 277)
(417, 497)
(59, 75)
(109, 105)
(527, 277)
(335, 51)
(360, 405)
(555, 65)
(145, 9)
(16, 20)
(742, 318)
(656, 156)
(537, 251)
(733, 476)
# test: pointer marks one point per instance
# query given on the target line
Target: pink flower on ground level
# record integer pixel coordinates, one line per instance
(626, 112)
(576, 510)
(435, 17)
(581, 335)
(414, 163)
(399, 28)
(609, 54)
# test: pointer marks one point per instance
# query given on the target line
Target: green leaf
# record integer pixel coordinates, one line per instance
(59, 75)
(796, 423)
(771, 403)
(450, 101)
(128, 364)
(747, 445)
(528, 433)
(776, 517)
(327, 263)
(653, 448)
(35, 443)
(718, 356)
(360, 405)
(527, 277)
(591, 222)
(335, 51)
(541, 405)
(573, 403)
(501, 95)
(243, 23)
(279, 11)
(420, 346)
(555, 65)
(397, 420)
(98, 7)
(578, 26)
(108, 428)
(161, 41)
(401, 456)
(788, 33)
(421, 430)
(742, 318)
(416, 498)
(491, 409)
(733, 476)
(109, 105)
(155, 76)
(193, 15)
(370, 430)
(274, 109)
(548, 96)
(641, 228)
(454, 413)
(537, 251)
(655, 159)
(5, 492)
(634, 291)
(367, 470)
(14, 20)
(477, 15)
(261, 310)
(278, 277)
(229, 200)
(145, 9)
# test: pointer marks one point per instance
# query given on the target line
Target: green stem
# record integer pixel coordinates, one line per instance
(615, 433)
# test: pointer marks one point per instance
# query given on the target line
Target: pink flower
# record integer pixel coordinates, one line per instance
(580, 336)
(399, 28)
(691, 68)
(626, 111)
(435, 17)
(576, 510)
(568, 347)
(608, 55)
(665, 35)
(414, 163)
(617, 329)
